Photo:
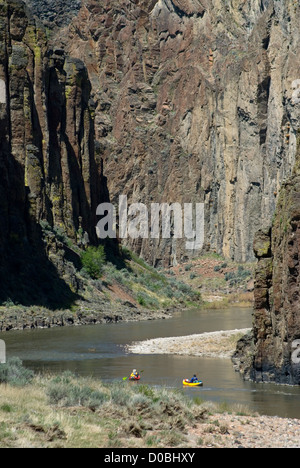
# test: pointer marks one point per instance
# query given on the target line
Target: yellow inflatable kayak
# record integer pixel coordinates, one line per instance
(195, 384)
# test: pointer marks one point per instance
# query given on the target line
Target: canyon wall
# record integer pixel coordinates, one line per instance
(193, 103)
(176, 100)
(271, 353)
(49, 171)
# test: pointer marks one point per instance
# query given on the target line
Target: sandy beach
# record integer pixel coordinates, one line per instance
(220, 344)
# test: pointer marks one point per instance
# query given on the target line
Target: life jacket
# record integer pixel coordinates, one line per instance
(134, 375)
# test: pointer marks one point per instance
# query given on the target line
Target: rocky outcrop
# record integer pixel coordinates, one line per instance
(49, 170)
(18, 318)
(272, 354)
(193, 103)
(54, 13)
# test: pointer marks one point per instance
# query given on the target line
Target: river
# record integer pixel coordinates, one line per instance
(100, 351)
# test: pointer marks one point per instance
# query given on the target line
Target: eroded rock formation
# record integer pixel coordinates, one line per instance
(193, 103)
(54, 13)
(48, 166)
(271, 354)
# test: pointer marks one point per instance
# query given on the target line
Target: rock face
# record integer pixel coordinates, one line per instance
(194, 103)
(48, 166)
(273, 352)
(54, 13)
(188, 101)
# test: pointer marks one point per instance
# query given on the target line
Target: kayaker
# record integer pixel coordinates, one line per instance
(194, 379)
(134, 374)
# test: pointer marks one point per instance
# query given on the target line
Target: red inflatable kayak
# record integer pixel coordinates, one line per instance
(135, 378)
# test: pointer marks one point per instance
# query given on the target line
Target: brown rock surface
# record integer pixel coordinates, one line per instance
(194, 104)
(272, 354)
(47, 159)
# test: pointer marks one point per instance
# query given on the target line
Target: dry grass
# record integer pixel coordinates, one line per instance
(28, 420)
(130, 416)
(241, 299)
(134, 416)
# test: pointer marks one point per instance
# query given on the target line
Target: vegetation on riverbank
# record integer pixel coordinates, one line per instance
(113, 286)
(221, 283)
(111, 278)
(148, 287)
(69, 411)
(111, 283)
(65, 411)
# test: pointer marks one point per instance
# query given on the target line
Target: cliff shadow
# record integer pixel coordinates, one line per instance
(28, 278)
(27, 275)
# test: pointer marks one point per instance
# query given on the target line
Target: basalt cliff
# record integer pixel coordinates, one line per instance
(193, 103)
(190, 101)
(271, 353)
(50, 173)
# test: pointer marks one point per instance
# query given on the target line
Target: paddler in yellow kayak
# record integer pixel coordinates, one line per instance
(194, 379)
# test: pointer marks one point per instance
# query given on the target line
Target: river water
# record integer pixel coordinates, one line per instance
(100, 351)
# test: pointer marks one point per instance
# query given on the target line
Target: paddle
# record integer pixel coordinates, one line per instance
(125, 378)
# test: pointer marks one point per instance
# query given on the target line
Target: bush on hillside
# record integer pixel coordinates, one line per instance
(93, 259)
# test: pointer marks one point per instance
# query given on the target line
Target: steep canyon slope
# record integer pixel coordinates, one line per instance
(271, 353)
(49, 170)
(51, 184)
(193, 103)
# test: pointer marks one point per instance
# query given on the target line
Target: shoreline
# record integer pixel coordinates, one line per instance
(21, 318)
(220, 344)
(18, 318)
(160, 416)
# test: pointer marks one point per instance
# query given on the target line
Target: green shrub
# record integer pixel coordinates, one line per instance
(112, 274)
(168, 291)
(60, 234)
(14, 373)
(147, 301)
(119, 394)
(45, 226)
(58, 231)
(229, 276)
(242, 273)
(64, 392)
(236, 277)
(148, 391)
(6, 408)
(93, 259)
